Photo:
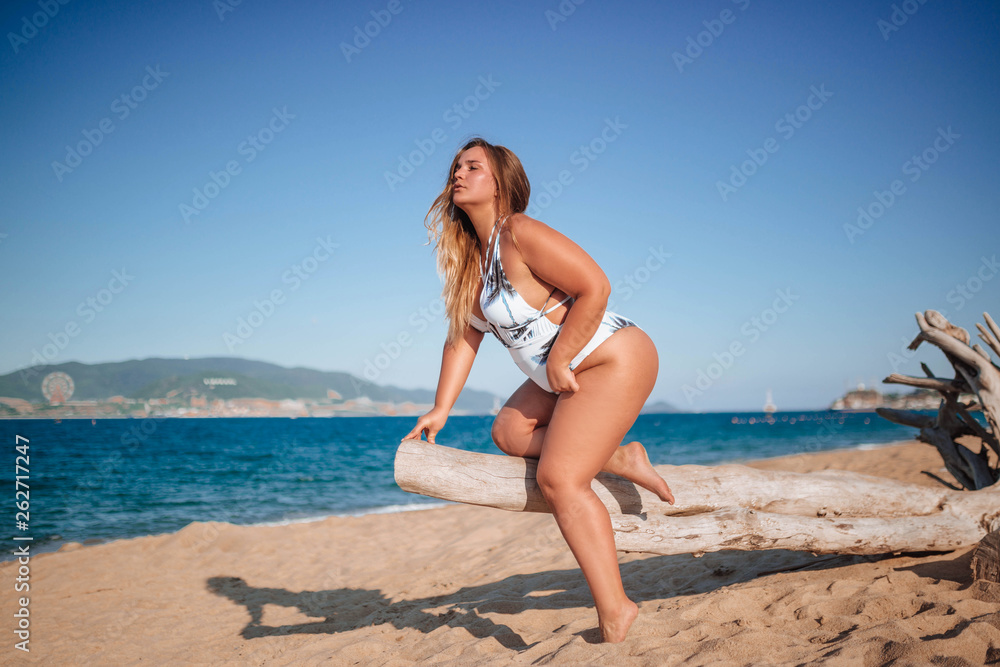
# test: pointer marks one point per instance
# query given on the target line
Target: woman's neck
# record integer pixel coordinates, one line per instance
(483, 219)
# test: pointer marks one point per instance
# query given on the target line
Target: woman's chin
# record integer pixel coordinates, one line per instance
(460, 201)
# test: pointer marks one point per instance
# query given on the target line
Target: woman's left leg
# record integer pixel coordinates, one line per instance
(583, 433)
(519, 430)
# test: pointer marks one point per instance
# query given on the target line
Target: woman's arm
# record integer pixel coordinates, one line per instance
(560, 262)
(456, 363)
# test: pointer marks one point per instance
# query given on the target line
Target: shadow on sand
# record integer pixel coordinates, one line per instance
(346, 609)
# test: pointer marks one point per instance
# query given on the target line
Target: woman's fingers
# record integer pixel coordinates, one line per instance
(562, 379)
(429, 425)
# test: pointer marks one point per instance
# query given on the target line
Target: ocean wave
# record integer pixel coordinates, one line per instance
(867, 446)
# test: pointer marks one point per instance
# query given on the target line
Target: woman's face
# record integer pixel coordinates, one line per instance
(473, 183)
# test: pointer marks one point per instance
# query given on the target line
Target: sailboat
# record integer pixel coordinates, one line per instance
(769, 405)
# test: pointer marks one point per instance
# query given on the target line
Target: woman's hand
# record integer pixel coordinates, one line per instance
(560, 377)
(430, 423)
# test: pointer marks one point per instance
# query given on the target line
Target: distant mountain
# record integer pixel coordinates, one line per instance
(657, 408)
(155, 378)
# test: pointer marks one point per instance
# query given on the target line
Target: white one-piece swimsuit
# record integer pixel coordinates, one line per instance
(527, 333)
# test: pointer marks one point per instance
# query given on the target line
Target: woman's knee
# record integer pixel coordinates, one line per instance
(548, 483)
(555, 484)
(505, 432)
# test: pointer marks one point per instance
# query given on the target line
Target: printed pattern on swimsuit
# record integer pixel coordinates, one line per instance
(512, 321)
(526, 333)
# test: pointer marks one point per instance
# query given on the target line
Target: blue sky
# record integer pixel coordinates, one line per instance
(714, 157)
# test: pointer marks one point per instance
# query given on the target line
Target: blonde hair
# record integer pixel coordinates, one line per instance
(456, 243)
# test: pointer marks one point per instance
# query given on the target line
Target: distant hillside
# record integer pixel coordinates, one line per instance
(155, 378)
(658, 407)
(870, 399)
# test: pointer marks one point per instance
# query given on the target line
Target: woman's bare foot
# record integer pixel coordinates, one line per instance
(631, 462)
(614, 629)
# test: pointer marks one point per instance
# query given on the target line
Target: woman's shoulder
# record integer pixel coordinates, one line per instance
(526, 228)
(523, 220)
(536, 241)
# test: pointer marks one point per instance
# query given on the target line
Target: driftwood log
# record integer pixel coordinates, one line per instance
(741, 508)
(974, 387)
(975, 376)
(725, 507)
(986, 559)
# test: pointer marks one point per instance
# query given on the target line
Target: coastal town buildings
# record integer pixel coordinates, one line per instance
(203, 406)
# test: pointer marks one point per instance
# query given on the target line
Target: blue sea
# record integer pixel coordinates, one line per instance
(118, 478)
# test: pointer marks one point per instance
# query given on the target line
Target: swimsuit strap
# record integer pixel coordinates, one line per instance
(540, 315)
(546, 301)
(497, 226)
(554, 306)
(490, 250)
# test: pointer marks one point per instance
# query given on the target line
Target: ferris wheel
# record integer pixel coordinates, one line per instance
(57, 387)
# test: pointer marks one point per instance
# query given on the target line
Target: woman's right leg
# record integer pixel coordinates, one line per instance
(520, 426)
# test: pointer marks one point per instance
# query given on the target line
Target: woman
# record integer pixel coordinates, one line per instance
(589, 371)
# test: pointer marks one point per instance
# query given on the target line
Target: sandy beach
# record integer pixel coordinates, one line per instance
(463, 585)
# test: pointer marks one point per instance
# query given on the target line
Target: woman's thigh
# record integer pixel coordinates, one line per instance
(528, 408)
(587, 425)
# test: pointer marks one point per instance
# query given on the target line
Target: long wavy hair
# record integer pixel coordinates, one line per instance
(456, 243)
